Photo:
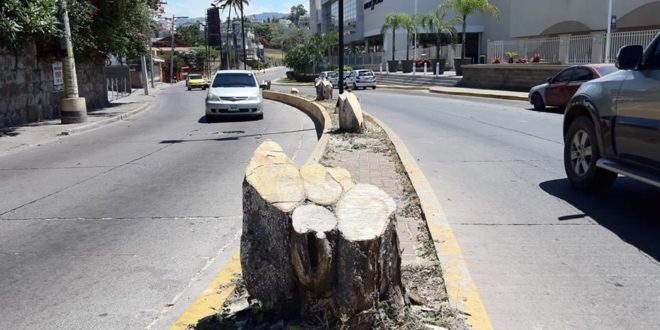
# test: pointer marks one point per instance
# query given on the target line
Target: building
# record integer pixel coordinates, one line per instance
(363, 20)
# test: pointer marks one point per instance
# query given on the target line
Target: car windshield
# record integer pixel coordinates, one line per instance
(234, 80)
(366, 74)
(605, 70)
(195, 76)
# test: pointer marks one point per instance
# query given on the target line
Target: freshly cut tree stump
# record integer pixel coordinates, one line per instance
(301, 260)
(368, 261)
(320, 186)
(272, 189)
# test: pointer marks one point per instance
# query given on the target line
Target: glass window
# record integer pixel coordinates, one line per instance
(234, 80)
(605, 70)
(195, 76)
(653, 58)
(583, 74)
(350, 16)
(563, 76)
(366, 74)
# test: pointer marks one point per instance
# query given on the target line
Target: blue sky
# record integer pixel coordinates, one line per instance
(197, 8)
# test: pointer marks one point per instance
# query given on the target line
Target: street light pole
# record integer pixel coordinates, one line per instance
(73, 108)
(608, 39)
(415, 42)
(341, 46)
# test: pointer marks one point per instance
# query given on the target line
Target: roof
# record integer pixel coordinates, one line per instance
(234, 71)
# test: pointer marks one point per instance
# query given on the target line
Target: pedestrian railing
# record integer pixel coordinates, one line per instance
(570, 49)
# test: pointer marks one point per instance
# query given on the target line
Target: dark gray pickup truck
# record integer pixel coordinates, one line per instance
(612, 124)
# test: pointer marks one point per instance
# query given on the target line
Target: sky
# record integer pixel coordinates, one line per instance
(197, 8)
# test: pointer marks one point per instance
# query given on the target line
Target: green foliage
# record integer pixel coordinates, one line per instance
(465, 8)
(296, 13)
(25, 21)
(190, 34)
(302, 56)
(346, 68)
(438, 24)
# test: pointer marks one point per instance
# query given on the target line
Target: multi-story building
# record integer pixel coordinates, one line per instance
(363, 20)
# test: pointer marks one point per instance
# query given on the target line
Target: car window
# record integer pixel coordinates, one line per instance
(563, 76)
(234, 80)
(653, 57)
(605, 70)
(582, 74)
(366, 74)
(195, 76)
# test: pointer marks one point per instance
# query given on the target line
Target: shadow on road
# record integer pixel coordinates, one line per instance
(227, 119)
(629, 209)
(235, 138)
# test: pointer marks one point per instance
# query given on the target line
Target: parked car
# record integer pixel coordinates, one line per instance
(560, 88)
(234, 92)
(334, 80)
(612, 124)
(363, 79)
(324, 75)
(195, 80)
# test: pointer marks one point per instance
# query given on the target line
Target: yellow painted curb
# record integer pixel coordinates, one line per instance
(461, 290)
(222, 287)
(213, 297)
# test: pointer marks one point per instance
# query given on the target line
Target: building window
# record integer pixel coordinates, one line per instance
(331, 16)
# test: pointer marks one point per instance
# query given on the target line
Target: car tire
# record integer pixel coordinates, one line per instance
(189, 88)
(209, 119)
(373, 87)
(580, 156)
(203, 88)
(260, 116)
(538, 103)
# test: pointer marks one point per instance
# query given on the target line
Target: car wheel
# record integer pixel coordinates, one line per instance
(203, 88)
(209, 119)
(374, 87)
(580, 156)
(538, 103)
(260, 116)
(355, 86)
(189, 88)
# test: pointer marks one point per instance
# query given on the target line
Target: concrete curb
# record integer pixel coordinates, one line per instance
(406, 88)
(274, 83)
(494, 95)
(221, 287)
(100, 123)
(461, 290)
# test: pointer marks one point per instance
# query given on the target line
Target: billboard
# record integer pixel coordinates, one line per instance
(213, 26)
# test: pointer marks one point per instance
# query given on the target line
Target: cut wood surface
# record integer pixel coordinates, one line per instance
(364, 212)
(320, 186)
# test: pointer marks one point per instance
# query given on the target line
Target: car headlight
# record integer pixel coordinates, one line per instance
(212, 97)
(253, 98)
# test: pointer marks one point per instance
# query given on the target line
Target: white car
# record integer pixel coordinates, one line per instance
(361, 79)
(234, 92)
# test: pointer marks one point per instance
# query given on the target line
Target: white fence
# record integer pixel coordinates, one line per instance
(571, 49)
(446, 52)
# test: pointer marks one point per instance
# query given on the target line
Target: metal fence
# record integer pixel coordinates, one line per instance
(357, 59)
(381, 57)
(573, 49)
(621, 39)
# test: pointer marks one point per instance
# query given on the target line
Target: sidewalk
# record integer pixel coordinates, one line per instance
(13, 139)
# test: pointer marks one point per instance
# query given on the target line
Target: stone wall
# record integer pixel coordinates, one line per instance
(513, 77)
(26, 87)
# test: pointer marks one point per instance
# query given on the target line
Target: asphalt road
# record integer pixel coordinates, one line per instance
(543, 255)
(121, 227)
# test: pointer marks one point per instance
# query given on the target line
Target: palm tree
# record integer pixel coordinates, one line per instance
(329, 40)
(393, 22)
(465, 8)
(410, 25)
(437, 23)
(238, 5)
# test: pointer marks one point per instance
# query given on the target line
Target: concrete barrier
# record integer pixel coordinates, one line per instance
(513, 77)
(315, 111)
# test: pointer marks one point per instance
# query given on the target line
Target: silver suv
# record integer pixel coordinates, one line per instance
(612, 124)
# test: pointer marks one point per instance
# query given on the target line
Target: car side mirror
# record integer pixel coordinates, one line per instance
(630, 57)
(549, 80)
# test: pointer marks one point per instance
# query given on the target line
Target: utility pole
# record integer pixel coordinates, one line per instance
(608, 39)
(151, 53)
(73, 108)
(145, 82)
(174, 18)
(244, 41)
(415, 42)
(341, 46)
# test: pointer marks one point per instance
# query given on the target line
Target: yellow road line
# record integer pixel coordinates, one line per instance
(213, 297)
(461, 289)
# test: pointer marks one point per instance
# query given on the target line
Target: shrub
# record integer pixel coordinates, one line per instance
(422, 60)
(289, 75)
(521, 60)
(536, 58)
(346, 68)
(496, 60)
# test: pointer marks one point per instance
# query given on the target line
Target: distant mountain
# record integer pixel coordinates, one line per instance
(265, 16)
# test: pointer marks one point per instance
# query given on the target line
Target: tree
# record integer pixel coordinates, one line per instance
(465, 8)
(410, 25)
(296, 13)
(392, 22)
(191, 35)
(22, 22)
(300, 56)
(437, 24)
(329, 40)
(238, 5)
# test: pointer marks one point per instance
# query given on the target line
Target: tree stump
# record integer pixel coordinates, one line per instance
(350, 113)
(272, 189)
(300, 259)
